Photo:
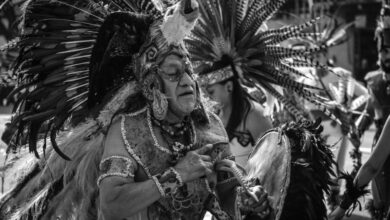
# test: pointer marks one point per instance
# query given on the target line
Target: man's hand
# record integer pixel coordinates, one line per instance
(195, 164)
(248, 202)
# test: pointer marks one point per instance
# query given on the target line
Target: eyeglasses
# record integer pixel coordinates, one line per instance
(176, 75)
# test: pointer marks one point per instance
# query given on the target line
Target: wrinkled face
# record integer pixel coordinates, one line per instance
(179, 85)
(220, 93)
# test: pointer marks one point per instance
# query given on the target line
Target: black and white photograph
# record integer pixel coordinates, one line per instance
(194, 109)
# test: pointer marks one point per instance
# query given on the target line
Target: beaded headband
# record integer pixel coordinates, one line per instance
(216, 76)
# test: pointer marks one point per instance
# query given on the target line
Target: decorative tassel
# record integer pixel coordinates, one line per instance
(160, 105)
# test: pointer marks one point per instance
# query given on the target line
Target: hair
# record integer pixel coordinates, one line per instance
(240, 98)
(240, 105)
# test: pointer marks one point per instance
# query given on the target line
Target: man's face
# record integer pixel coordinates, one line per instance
(384, 57)
(179, 85)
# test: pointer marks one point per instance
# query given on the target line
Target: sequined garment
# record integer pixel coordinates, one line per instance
(191, 200)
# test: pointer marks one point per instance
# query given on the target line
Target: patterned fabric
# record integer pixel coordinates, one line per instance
(116, 166)
(169, 181)
(189, 201)
(217, 76)
(216, 210)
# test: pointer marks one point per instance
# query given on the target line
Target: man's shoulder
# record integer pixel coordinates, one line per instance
(134, 126)
(214, 130)
(373, 76)
(214, 120)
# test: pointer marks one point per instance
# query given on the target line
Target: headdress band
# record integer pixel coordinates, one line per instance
(216, 76)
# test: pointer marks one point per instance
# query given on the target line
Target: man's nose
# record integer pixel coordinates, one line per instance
(186, 80)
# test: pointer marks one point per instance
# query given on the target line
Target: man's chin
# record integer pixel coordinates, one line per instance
(183, 109)
(187, 108)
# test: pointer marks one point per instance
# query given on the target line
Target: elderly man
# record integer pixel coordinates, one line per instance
(146, 148)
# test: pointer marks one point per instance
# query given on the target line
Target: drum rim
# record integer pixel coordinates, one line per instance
(284, 138)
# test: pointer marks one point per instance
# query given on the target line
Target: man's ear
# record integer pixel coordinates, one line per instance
(229, 87)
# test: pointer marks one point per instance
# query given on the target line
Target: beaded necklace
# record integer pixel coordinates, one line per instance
(173, 130)
(176, 150)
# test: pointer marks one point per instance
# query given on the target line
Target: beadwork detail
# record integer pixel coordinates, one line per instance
(177, 176)
(216, 76)
(173, 130)
(159, 105)
(127, 144)
(169, 181)
(116, 166)
(159, 186)
(178, 149)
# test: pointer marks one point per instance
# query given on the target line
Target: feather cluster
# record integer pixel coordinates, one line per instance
(352, 194)
(311, 171)
(330, 33)
(233, 33)
(74, 56)
(64, 94)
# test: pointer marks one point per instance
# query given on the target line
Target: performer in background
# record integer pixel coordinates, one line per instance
(367, 172)
(241, 115)
(378, 84)
(231, 45)
(347, 95)
(226, 61)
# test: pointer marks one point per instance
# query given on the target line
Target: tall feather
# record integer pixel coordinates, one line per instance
(232, 32)
(72, 54)
(58, 68)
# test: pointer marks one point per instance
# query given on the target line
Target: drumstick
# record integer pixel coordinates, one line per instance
(231, 166)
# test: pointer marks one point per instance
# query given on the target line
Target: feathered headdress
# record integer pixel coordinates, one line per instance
(329, 32)
(9, 12)
(231, 39)
(78, 57)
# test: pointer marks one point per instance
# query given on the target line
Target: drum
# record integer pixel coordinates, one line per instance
(294, 165)
(269, 162)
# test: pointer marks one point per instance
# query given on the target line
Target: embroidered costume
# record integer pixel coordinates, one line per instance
(85, 65)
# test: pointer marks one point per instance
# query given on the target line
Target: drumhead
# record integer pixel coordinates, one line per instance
(270, 162)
